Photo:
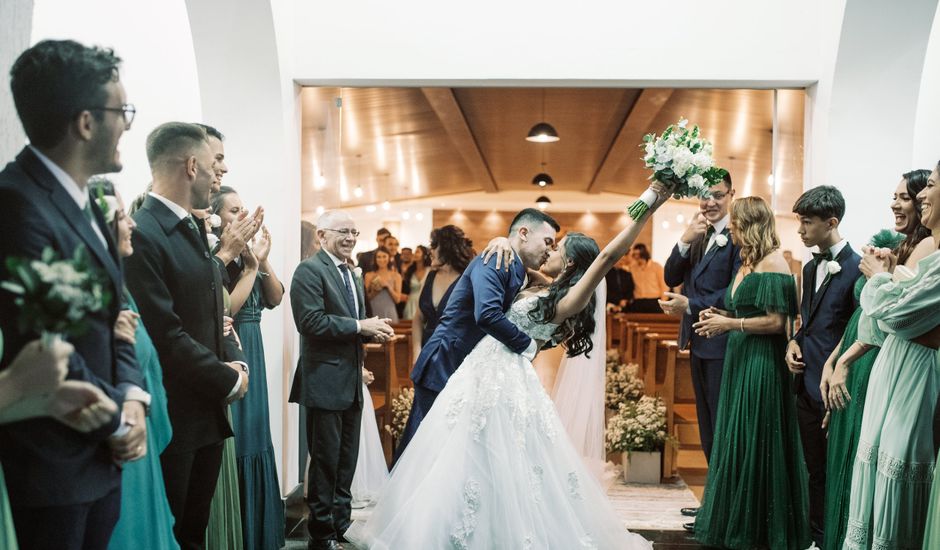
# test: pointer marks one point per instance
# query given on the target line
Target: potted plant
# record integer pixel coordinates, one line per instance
(638, 430)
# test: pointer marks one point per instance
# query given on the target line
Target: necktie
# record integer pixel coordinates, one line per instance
(707, 241)
(350, 299)
(90, 216)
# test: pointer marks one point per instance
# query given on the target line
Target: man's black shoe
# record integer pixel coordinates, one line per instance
(690, 527)
(690, 512)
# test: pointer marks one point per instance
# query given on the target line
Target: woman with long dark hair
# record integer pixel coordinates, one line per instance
(844, 382)
(491, 465)
(756, 495)
(383, 285)
(450, 253)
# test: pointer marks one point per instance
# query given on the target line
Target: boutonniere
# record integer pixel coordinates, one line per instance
(215, 221)
(833, 267)
(357, 271)
(721, 240)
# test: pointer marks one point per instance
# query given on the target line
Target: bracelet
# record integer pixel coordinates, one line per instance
(742, 324)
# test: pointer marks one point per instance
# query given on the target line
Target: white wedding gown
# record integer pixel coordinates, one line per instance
(371, 469)
(579, 395)
(491, 467)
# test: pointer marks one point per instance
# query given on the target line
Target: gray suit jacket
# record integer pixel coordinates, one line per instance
(329, 375)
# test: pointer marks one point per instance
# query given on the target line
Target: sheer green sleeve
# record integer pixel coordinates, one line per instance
(907, 308)
(770, 292)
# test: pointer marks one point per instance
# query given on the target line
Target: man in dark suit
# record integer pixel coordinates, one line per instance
(704, 262)
(328, 303)
(477, 307)
(828, 302)
(178, 288)
(366, 260)
(65, 486)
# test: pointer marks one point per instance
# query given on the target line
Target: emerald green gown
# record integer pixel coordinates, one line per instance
(7, 530)
(844, 428)
(756, 495)
(894, 463)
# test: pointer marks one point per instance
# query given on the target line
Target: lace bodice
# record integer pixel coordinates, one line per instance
(519, 315)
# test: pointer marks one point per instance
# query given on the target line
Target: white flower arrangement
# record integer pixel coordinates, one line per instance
(215, 221)
(682, 161)
(638, 426)
(721, 240)
(623, 383)
(833, 267)
(401, 409)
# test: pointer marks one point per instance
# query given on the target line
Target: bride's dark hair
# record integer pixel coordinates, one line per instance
(576, 331)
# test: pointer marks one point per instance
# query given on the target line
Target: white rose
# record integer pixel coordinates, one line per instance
(215, 221)
(721, 240)
(681, 161)
(703, 161)
(697, 181)
(833, 267)
(357, 271)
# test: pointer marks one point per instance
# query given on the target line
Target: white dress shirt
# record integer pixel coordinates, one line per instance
(719, 226)
(821, 268)
(352, 281)
(182, 214)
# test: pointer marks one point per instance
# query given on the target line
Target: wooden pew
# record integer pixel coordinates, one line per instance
(679, 397)
(381, 360)
(653, 359)
(633, 353)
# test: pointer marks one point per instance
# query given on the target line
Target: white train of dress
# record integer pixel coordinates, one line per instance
(491, 467)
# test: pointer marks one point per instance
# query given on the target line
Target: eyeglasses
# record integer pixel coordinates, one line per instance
(344, 232)
(127, 110)
(718, 195)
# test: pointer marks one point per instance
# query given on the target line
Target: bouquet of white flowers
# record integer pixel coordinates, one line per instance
(638, 426)
(623, 383)
(401, 409)
(55, 296)
(682, 161)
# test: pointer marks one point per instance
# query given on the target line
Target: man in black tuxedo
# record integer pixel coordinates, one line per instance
(65, 486)
(704, 262)
(328, 304)
(178, 288)
(827, 304)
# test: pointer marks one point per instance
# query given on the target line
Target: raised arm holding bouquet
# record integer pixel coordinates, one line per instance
(681, 160)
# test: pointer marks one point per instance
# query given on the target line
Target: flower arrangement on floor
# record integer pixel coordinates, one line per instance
(681, 159)
(401, 408)
(638, 426)
(623, 383)
(55, 295)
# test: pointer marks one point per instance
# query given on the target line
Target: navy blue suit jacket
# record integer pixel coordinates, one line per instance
(476, 307)
(47, 463)
(704, 280)
(824, 316)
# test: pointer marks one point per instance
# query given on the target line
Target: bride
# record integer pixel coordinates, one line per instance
(491, 466)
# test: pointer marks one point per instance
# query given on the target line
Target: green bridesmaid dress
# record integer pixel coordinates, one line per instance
(844, 428)
(756, 495)
(7, 531)
(932, 531)
(146, 521)
(894, 463)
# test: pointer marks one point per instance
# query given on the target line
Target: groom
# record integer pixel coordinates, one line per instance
(476, 308)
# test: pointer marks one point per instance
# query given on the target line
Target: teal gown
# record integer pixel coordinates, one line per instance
(844, 428)
(894, 464)
(146, 521)
(262, 508)
(7, 530)
(756, 495)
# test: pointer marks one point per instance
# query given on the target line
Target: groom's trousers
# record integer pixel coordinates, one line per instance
(423, 400)
(73, 527)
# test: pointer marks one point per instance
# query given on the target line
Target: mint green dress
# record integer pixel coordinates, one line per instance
(844, 428)
(756, 495)
(932, 531)
(225, 516)
(894, 463)
(7, 530)
(146, 521)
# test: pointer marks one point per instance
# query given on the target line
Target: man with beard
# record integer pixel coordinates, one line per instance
(178, 288)
(704, 262)
(65, 486)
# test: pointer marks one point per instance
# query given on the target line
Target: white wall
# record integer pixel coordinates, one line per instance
(15, 24)
(158, 72)
(926, 129)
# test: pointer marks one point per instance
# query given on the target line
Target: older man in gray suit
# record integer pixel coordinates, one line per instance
(328, 304)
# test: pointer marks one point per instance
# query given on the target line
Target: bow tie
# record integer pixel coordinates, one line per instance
(819, 256)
